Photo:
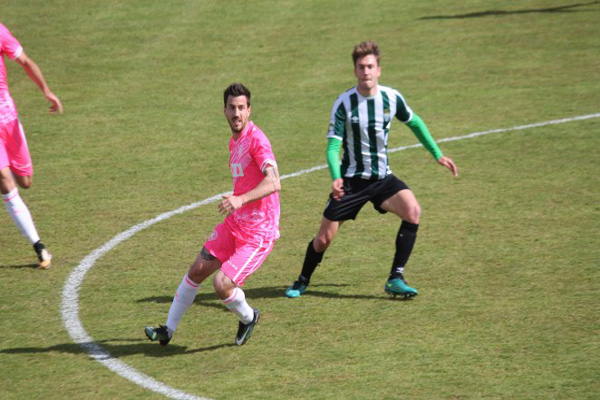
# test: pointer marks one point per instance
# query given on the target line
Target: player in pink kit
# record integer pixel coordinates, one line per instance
(15, 161)
(238, 246)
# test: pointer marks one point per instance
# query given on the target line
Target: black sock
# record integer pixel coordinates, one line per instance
(311, 260)
(404, 245)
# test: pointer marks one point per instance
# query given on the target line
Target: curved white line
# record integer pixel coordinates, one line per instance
(70, 297)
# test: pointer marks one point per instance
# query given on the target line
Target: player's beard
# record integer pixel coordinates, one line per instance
(234, 126)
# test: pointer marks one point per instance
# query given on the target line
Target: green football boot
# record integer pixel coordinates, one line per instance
(398, 286)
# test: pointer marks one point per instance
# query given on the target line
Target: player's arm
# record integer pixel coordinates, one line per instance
(271, 183)
(333, 161)
(418, 127)
(35, 74)
(335, 137)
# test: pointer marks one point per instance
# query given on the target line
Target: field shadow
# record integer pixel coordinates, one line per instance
(21, 266)
(329, 295)
(550, 10)
(107, 349)
(210, 299)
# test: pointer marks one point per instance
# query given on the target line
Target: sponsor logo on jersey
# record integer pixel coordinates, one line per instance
(386, 115)
(237, 170)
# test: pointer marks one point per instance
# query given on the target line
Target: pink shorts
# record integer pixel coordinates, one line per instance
(14, 152)
(240, 258)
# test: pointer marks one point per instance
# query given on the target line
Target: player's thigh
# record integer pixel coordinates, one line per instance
(7, 183)
(404, 204)
(223, 285)
(246, 259)
(327, 232)
(4, 160)
(218, 247)
(18, 153)
(203, 266)
(357, 192)
(221, 243)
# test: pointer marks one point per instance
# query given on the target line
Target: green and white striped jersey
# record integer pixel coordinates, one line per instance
(363, 124)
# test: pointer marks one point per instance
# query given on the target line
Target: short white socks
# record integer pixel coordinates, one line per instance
(239, 306)
(19, 213)
(184, 298)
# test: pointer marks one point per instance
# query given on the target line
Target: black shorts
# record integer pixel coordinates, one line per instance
(358, 192)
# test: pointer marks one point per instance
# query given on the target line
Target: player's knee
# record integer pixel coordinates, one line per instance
(321, 243)
(223, 286)
(24, 181)
(195, 272)
(6, 187)
(217, 285)
(413, 214)
(7, 184)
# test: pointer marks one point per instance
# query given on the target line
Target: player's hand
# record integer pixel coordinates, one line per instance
(56, 106)
(337, 188)
(448, 163)
(230, 203)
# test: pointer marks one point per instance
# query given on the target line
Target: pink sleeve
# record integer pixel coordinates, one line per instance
(8, 44)
(262, 153)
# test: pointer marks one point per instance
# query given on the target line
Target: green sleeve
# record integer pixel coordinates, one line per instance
(420, 130)
(333, 157)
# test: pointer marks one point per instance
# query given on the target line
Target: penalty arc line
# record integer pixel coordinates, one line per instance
(70, 295)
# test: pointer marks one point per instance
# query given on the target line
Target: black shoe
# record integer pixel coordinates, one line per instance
(244, 331)
(43, 255)
(161, 334)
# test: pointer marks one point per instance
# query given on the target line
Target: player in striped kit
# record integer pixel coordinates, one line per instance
(15, 161)
(238, 246)
(360, 123)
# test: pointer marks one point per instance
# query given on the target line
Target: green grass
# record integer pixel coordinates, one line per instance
(507, 255)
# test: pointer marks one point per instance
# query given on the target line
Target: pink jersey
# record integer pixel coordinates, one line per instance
(250, 155)
(10, 47)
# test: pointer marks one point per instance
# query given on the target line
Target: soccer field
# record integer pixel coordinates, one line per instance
(507, 256)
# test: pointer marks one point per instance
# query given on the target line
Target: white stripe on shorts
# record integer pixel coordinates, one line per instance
(259, 263)
(248, 261)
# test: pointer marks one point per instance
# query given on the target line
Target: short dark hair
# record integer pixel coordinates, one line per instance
(235, 90)
(364, 49)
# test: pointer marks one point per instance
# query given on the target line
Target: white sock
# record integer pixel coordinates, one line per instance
(20, 215)
(184, 297)
(239, 306)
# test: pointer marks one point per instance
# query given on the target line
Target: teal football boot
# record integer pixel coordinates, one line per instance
(398, 286)
(296, 289)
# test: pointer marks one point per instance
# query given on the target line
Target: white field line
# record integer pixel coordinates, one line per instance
(70, 296)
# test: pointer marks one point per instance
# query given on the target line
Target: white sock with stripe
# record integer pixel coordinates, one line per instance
(184, 298)
(239, 306)
(20, 215)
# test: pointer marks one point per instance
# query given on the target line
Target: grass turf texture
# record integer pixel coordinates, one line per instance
(507, 255)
